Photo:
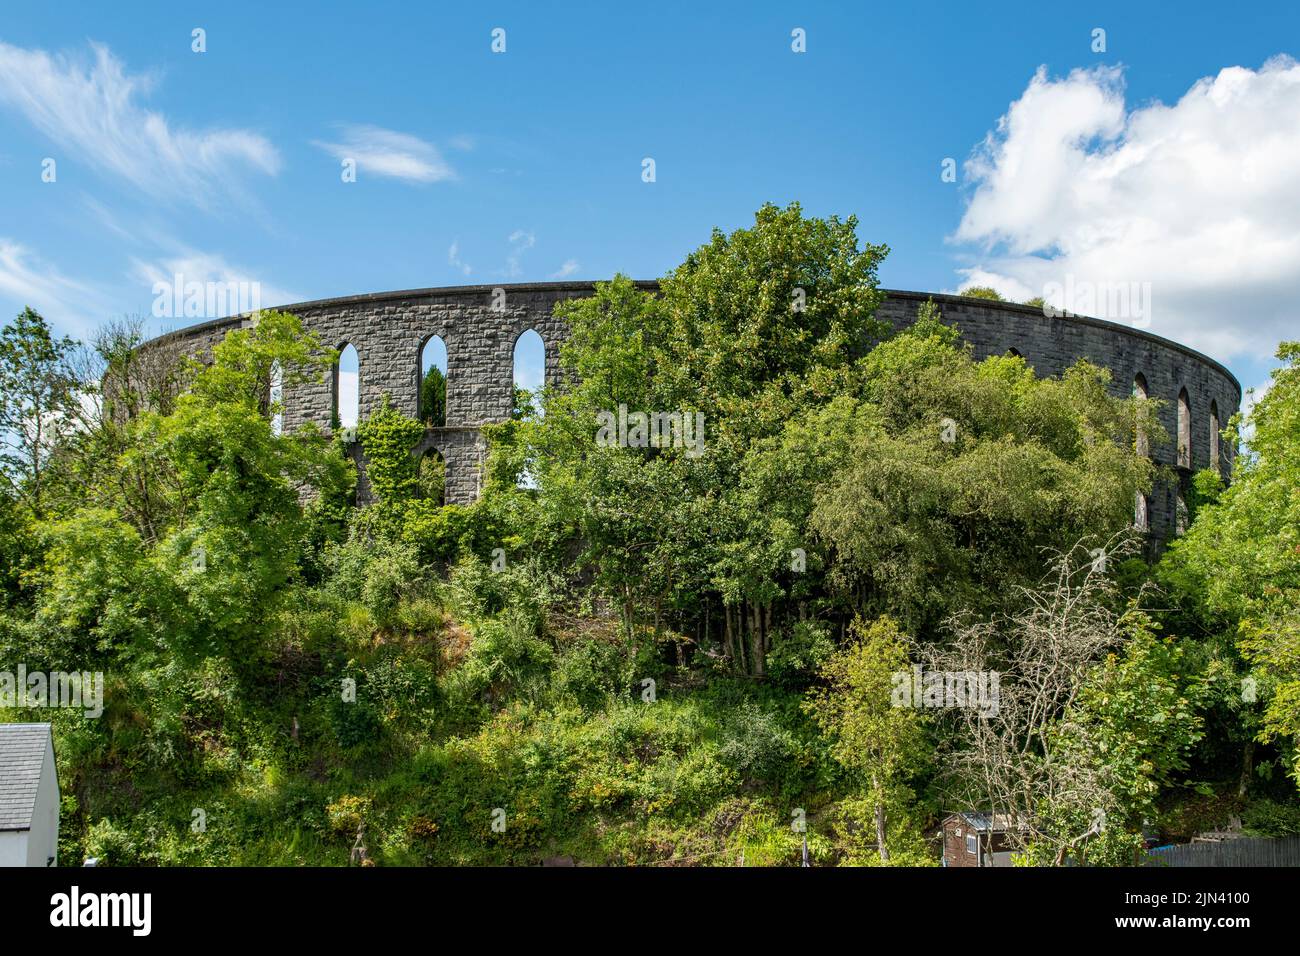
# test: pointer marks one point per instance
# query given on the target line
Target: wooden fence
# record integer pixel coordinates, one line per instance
(1245, 851)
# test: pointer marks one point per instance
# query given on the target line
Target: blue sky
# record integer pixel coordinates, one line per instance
(483, 167)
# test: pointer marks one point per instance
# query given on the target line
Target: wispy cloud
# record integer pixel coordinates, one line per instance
(108, 219)
(205, 267)
(385, 152)
(453, 258)
(569, 268)
(26, 280)
(90, 107)
(520, 242)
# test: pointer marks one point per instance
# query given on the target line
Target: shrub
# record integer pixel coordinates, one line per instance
(112, 845)
(404, 690)
(591, 672)
(754, 743)
(355, 723)
(477, 590)
(981, 292)
(449, 533)
(506, 660)
(1272, 819)
(347, 813)
(391, 575)
(796, 657)
(379, 575)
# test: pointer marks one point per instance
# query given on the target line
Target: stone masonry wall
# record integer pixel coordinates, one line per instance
(480, 325)
(479, 328)
(1051, 345)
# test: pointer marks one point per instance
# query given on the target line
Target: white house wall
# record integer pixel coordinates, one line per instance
(43, 842)
(13, 848)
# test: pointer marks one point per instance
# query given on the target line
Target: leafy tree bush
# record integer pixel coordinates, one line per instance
(871, 736)
(982, 292)
(1239, 563)
(433, 398)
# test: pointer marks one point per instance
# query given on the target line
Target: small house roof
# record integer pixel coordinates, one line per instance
(988, 822)
(22, 756)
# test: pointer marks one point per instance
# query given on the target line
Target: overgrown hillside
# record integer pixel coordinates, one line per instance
(663, 647)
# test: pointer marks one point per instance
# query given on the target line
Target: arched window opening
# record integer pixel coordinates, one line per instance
(1014, 353)
(432, 402)
(1141, 504)
(1180, 513)
(1215, 428)
(529, 374)
(347, 389)
(276, 399)
(1184, 430)
(1140, 393)
(433, 476)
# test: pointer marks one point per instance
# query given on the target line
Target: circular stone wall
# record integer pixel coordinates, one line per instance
(480, 325)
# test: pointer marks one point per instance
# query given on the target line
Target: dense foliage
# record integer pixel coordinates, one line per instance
(669, 639)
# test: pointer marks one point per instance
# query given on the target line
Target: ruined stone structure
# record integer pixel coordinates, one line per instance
(481, 324)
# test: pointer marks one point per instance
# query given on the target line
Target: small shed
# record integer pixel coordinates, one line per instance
(29, 796)
(978, 839)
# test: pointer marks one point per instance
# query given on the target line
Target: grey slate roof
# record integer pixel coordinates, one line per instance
(988, 822)
(22, 752)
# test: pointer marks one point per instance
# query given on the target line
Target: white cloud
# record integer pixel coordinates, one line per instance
(569, 268)
(384, 152)
(206, 268)
(1007, 287)
(453, 258)
(91, 109)
(25, 280)
(520, 242)
(1198, 199)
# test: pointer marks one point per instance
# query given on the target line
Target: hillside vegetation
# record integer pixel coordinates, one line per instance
(651, 652)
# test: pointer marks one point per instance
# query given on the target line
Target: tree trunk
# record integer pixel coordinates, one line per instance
(880, 824)
(729, 638)
(1247, 767)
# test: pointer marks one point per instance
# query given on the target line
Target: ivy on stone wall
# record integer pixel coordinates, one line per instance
(388, 438)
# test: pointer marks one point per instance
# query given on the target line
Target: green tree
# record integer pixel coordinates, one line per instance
(39, 396)
(1239, 562)
(878, 741)
(210, 565)
(750, 328)
(827, 480)
(936, 484)
(433, 398)
(982, 292)
(15, 554)
(1134, 723)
